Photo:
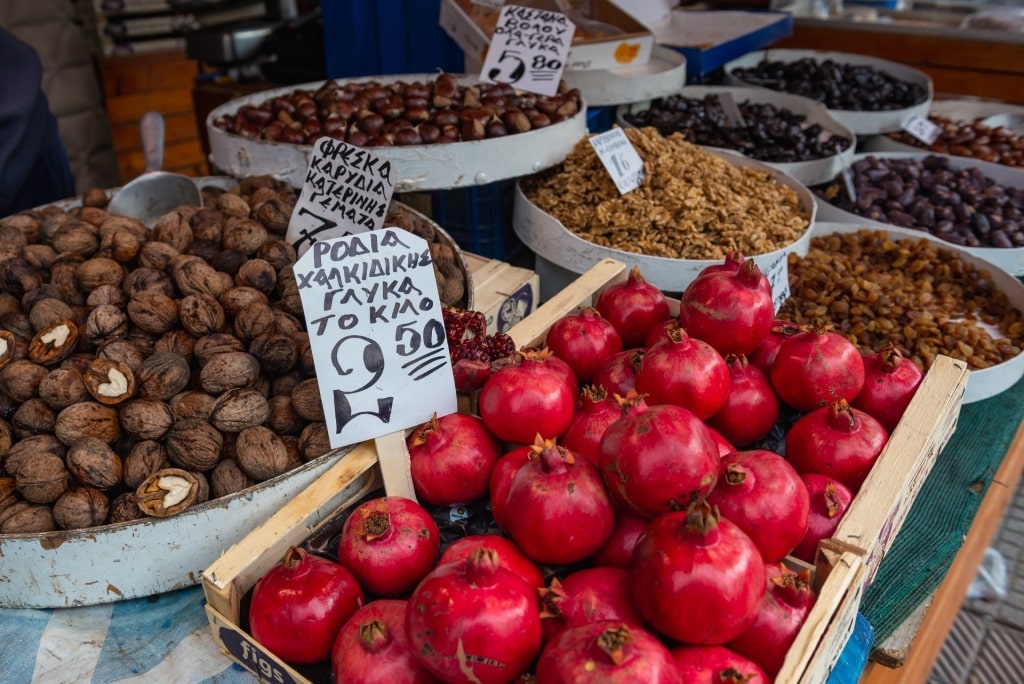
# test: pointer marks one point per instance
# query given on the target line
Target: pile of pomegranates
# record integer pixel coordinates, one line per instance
(642, 510)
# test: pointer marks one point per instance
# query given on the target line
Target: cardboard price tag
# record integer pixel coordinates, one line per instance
(921, 128)
(777, 273)
(733, 115)
(347, 190)
(375, 327)
(528, 49)
(620, 159)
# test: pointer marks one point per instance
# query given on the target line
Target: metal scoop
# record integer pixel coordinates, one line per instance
(155, 192)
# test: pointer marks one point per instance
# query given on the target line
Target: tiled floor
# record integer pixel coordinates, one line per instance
(986, 644)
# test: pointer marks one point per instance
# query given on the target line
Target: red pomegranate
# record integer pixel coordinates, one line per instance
(836, 440)
(829, 500)
(451, 459)
(684, 371)
(890, 382)
(815, 367)
(606, 652)
(751, 409)
(732, 310)
(633, 307)
(583, 339)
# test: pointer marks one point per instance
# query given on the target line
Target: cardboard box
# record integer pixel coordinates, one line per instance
(505, 294)
(464, 21)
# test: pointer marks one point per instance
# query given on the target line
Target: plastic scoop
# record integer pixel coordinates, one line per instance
(155, 192)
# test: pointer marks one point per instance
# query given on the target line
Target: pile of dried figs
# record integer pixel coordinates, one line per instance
(143, 371)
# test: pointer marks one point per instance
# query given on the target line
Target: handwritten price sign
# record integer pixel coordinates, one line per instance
(528, 49)
(620, 159)
(376, 332)
(922, 129)
(347, 190)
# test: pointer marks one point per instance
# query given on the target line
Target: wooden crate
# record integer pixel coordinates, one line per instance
(840, 582)
(505, 294)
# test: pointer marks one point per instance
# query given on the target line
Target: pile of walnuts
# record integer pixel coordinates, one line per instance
(143, 371)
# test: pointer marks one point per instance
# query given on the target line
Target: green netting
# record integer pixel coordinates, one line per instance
(943, 511)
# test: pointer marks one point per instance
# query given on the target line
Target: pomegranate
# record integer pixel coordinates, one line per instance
(815, 367)
(764, 356)
(633, 307)
(587, 595)
(583, 339)
(657, 459)
(501, 479)
(660, 332)
(618, 374)
(784, 609)
(764, 496)
(751, 409)
(829, 501)
(474, 622)
(836, 440)
(520, 401)
(716, 665)
(597, 410)
(299, 606)
(372, 648)
(890, 382)
(510, 556)
(557, 509)
(389, 543)
(684, 371)
(617, 552)
(606, 652)
(451, 459)
(724, 446)
(732, 310)
(697, 577)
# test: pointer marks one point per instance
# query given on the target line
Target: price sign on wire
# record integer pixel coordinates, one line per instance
(620, 159)
(921, 128)
(528, 49)
(347, 190)
(733, 115)
(375, 328)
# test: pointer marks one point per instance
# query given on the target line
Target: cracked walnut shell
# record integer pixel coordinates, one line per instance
(167, 492)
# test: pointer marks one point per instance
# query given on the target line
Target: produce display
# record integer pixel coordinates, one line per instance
(145, 371)
(653, 551)
(911, 293)
(693, 204)
(959, 205)
(837, 85)
(768, 133)
(373, 113)
(997, 144)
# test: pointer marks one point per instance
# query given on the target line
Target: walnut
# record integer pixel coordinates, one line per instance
(227, 478)
(8, 492)
(17, 276)
(260, 453)
(18, 325)
(95, 197)
(81, 507)
(63, 277)
(109, 382)
(6, 440)
(229, 370)
(123, 351)
(288, 292)
(258, 274)
(41, 257)
(204, 249)
(144, 459)
(20, 379)
(193, 444)
(51, 223)
(42, 478)
(27, 448)
(153, 312)
(33, 417)
(275, 214)
(253, 321)
(306, 400)
(291, 443)
(193, 404)
(277, 253)
(48, 311)
(209, 346)
(87, 419)
(76, 237)
(314, 441)
(195, 276)
(283, 419)
(162, 375)
(121, 246)
(8, 347)
(287, 324)
(28, 518)
(173, 229)
(92, 215)
(276, 353)
(146, 418)
(54, 343)
(148, 279)
(62, 387)
(105, 322)
(200, 314)
(177, 341)
(305, 353)
(99, 271)
(236, 299)
(284, 384)
(27, 223)
(244, 234)
(238, 409)
(93, 462)
(202, 488)
(107, 294)
(9, 303)
(156, 255)
(125, 508)
(228, 261)
(233, 205)
(207, 224)
(167, 492)
(124, 225)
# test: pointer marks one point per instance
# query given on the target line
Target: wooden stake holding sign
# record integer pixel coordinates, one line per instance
(529, 49)
(372, 309)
